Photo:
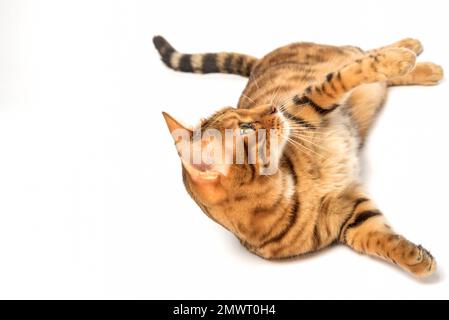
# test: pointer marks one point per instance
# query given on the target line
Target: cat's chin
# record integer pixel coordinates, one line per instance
(208, 175)
(207, 178)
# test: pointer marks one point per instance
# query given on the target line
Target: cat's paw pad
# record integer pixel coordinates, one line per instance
(395, 62)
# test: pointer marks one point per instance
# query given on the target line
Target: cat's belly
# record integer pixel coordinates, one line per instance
(341, 143)
(327, 172)
(335, 148)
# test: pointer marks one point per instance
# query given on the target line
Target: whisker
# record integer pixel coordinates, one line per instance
(245, 96)
(302, 129)
(304, 148)
(301, 146)
(293, 125)
(302, 138)
(255, 81)
(308, 133)
(275, 94)
(285, 102)
(291, 117)
(310, 137)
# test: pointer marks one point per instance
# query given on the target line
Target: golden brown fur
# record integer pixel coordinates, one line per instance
(327, 97)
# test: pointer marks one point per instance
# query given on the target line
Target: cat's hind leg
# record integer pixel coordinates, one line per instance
(408, 43)
(366, 231)
(424, 73)
(322, 98)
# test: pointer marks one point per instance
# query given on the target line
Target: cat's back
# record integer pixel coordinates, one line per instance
(290, 69)
(306, 54)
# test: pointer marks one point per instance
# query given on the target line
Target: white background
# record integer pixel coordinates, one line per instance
(91, 199)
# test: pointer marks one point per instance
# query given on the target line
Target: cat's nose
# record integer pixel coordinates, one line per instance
(272, 110)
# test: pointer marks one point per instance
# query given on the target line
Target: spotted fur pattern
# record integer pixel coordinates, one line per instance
(330, 96)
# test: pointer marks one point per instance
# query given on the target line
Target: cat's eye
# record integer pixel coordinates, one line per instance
(246, 128)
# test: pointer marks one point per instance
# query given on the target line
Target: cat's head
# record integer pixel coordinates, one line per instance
(231, 148)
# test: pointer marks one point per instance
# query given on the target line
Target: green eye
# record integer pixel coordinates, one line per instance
(246, 128)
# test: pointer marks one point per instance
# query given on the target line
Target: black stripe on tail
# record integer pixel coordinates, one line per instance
(164, 48)
(222, 62)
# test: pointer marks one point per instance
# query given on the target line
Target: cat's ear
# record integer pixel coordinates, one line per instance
(174, 125)
(200, 171)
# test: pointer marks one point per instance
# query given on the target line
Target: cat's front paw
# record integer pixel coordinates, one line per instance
(394, 62)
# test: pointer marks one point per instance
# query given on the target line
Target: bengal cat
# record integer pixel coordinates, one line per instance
(319, 102)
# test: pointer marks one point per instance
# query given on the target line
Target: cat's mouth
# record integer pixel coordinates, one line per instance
(202, 171)
(203, 167)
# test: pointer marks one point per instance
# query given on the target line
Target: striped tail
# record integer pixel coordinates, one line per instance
(222, 62)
